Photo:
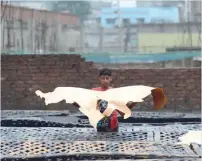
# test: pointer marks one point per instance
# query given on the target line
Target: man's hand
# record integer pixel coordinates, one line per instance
(75, 104)
(130, 104)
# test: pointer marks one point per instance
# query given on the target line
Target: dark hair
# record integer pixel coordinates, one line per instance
(105, 71)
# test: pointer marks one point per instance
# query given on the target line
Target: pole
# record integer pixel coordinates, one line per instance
(120, 27)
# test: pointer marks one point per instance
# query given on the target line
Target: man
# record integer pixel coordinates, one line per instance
(107, 124)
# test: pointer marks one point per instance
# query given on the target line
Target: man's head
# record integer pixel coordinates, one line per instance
(105, 77)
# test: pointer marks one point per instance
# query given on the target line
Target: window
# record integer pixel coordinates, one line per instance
(111, 20)
(9, 23)
(140, 20)
(64, 27)
(98, 20)
(157, 21)
(126, 21)
(23, 24)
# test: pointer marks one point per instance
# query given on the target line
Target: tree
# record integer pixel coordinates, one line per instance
(80, 8)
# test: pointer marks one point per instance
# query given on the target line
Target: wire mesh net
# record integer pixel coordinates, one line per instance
(164, 135)
(26, 113)
(40, 148)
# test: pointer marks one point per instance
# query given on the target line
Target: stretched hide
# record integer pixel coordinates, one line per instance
(191, 137)
(117, 99)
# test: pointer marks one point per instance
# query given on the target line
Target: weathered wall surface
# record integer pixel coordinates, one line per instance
(22, 75)
(158, 37)
(158, 42)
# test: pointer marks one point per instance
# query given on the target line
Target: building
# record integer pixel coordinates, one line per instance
(159, 3)
(109, 17)
(25, 14)
(189, 10)
(158, 37)
(196, 10)
(31, 30)
(123, 3)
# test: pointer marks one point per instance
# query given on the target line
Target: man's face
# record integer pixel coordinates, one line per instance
(105, 80)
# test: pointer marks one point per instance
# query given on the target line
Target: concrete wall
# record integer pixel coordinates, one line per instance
(158, 42)
(22, 75)
(196, 10)
(30, 39)
(195, 7)
(32, 30)
(158, 37)
(193, 27)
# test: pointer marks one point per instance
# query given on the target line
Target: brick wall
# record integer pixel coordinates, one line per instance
(22, 75)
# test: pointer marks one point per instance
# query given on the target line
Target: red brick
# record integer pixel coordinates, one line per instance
(35, 78)
(53, 74)
(22, 73)
(89, 63)
(19, 89)
(52, 81)
(24, 78)
(30, 82)
(72, 71)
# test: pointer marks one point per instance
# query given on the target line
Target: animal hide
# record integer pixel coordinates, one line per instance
(193, 136)
(117, 98)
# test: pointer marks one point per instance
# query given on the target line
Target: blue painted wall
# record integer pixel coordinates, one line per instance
(147, 13)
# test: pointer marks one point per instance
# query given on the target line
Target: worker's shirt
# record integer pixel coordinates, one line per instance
(108, 122)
